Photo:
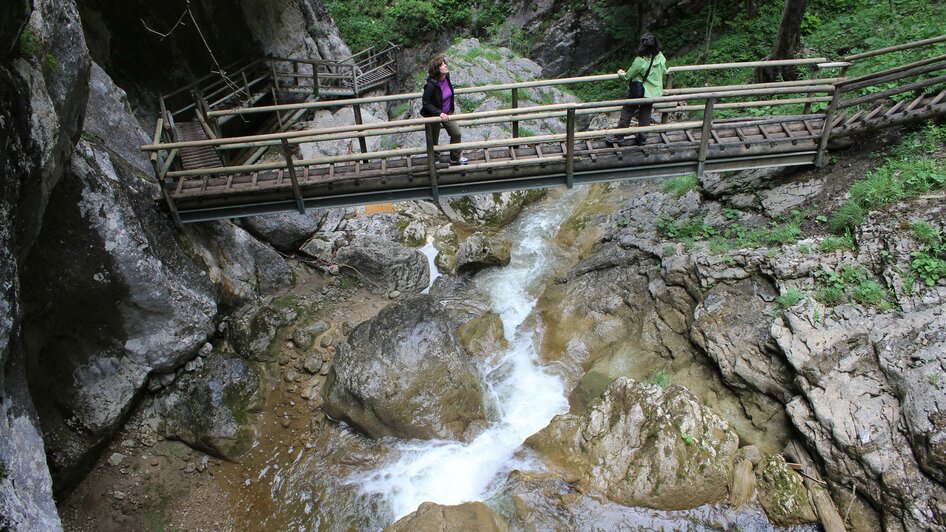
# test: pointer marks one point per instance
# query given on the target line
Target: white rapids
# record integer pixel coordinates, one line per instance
(526, 396)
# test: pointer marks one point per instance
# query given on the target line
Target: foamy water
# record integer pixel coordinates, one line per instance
(526, 397)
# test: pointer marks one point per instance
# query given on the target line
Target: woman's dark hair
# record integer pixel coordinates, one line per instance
(649, 45)
(433, 69)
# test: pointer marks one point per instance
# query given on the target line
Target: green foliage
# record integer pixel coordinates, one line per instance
(789, 298)
(51, 64)
(668, 251)
(679, 186)
(29, 43)
(929, 261)
(933, 378)
(907, 172)
(348, 282)
(691, 229)
(687, 439)
(851, 281)
(831, 244)
(366, 23)
(660, 378)
(400, 108)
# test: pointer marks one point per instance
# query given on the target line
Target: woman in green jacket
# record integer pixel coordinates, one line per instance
(648, 67)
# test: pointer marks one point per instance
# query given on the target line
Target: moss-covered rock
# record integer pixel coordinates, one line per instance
(211, 409)
(782, 494)
(642, 445)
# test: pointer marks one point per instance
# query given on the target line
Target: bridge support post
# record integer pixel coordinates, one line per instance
(705, 134)
(570, 148)
(432, 162)
(820, 160)
(515, 105)
(668, 84)
(359, 121)
(315, 80)
(158, 163)
(296, 191)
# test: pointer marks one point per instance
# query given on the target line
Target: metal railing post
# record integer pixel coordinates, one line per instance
(515, 105)
(362, 144)
(432, 161)
(570, 148)
(296, 191)
(705, 134)
(827, 126)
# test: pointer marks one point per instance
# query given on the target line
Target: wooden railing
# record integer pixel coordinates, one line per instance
(828, 92)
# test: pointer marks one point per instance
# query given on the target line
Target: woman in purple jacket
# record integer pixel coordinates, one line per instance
(438, 100)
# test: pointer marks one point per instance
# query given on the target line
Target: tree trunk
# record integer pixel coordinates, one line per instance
(787, 42)
(752, 8)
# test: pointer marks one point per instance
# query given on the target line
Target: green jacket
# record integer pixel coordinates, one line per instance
(654, 84)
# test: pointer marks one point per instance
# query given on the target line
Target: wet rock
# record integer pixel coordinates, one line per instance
(305, 334)
(432, 517)
(414, 234)
(483, 336)
(783, 494)
(211, 409)
(488, 210)
(253, 331)
(384, 265)
(479, 251)
(404, 374)
(680, 452)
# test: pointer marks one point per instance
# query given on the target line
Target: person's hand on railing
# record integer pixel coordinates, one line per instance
(444, 117)
(620, 71)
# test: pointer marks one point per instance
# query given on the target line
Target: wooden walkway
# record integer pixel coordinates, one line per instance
(675, 147)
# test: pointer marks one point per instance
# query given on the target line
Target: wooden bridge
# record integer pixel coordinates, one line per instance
(718, 128)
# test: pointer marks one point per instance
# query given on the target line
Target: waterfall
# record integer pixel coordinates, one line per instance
(526, 396)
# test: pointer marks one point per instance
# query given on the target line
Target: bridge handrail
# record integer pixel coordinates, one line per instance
(496, 87)
(809, 89)
(897, 48)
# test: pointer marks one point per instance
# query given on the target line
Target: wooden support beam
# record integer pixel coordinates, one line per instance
(570, 148)
(515, 105)
(362, 144)
(292, 176)
(821, 160)
(705, 134)
(432, 163)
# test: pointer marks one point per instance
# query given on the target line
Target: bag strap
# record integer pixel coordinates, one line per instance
(648, 68)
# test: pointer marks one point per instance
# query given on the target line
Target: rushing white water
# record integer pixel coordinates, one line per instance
(431, 253)
(526, 396)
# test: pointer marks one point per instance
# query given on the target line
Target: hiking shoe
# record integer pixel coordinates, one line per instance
(614, 140)
(461, 160)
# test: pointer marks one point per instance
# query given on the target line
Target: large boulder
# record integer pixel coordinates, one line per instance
(241, 267)
(286, 231)
(210, 408)
(480, 251)
(385, 265)
(109, 296)
(432, 517)
(643, 445)
(403, 373)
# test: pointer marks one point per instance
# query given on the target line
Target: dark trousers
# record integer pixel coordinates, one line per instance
(454, 131)
(643, 117)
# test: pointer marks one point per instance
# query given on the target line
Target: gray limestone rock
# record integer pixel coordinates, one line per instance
(286, 231)
(643, 445)
(480, 251)
(211, 409)
(385, 265)
(403, 373)
(432, 517)
(242, 268)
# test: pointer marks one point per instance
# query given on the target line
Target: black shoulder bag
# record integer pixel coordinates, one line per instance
(636, 88)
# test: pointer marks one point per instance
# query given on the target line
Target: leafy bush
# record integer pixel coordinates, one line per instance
(660, 378)
(929, 261)
(830, 295)
(834, 243)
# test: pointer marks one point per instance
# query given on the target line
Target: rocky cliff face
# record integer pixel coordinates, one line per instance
(99, 294)
(570, 37)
